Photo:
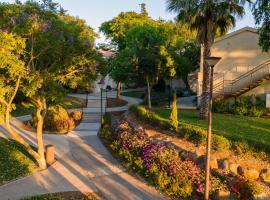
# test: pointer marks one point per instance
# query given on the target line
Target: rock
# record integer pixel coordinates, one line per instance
(265, 175)
(223, 164)
(233, 168)
(183, 154)
(202, 159)
(249, 173)
(223, 195)
(194, 156)
(213, 163)
(240, 170)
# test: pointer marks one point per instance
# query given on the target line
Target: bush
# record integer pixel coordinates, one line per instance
(244, 106)
(143, 114)
(193, 134)
(220, 143)
(58, 120)
(76, 116)
(249, 106)
(198, 135)
(219, 106)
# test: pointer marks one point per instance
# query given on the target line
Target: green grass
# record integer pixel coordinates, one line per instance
(69, 103)
(22, 109)
(15, 162)
(256, 131)
(136, 94)
(74, 102)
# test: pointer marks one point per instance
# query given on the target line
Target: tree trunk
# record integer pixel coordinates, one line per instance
(148, 93)
(14, 134)
(118, 89)
(40, 114)
(204, 109)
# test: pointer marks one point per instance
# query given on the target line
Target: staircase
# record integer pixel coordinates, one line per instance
(243, 83)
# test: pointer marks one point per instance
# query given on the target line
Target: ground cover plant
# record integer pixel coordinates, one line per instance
(15, 162)
(67, 196)
(136, 94)
(161, 165)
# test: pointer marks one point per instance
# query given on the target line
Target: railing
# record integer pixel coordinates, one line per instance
(228, 87)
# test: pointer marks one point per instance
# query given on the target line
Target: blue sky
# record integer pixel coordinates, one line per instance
(97, 11)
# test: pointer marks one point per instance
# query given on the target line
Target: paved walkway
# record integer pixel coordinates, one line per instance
(84, 164)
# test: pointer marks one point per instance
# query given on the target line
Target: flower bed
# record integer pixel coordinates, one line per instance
(162, 166)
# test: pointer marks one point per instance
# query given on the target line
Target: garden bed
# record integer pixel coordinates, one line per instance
(159, 163)
(115, 102)
(15, 162)
(67, 196)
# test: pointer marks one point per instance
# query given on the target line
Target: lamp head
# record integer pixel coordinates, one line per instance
(212, 61)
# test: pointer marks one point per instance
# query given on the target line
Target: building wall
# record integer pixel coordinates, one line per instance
(260, 91)
(239, 52)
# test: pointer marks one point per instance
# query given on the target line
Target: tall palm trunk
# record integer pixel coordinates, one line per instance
(148, 93)
(204, 107)
(40, 114)
(118, 89)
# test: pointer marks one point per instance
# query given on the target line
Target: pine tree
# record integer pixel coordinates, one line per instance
(174, 114)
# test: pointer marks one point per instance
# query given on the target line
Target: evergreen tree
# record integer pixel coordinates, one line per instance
(174, 114)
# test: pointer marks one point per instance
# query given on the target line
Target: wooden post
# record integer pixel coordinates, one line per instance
(50, 154)
(209, 134)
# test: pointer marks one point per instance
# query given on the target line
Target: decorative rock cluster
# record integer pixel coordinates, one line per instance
(224, 164)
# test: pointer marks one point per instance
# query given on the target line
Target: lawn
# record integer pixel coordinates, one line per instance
(136, 94)
(255, 131)
(15, 162)
(69, 103)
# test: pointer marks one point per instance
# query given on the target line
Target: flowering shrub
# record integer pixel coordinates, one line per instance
(159, 163)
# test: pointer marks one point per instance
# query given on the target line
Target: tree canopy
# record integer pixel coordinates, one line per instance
(261, 12)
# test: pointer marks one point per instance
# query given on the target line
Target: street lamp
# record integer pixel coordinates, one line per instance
(211, 62)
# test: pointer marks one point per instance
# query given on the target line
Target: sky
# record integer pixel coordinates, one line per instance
(95, 12)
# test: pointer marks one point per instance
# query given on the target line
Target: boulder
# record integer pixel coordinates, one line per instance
(265, 175)
(202, 159)
(233, 167)
(223, 195)
(249, 173)
(223, 164)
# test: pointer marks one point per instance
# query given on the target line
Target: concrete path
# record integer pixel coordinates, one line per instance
(187, 103)
(84, 164)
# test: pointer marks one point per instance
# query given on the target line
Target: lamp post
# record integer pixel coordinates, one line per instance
(211, 62)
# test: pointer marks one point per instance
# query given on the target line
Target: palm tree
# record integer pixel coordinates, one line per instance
(207, 17)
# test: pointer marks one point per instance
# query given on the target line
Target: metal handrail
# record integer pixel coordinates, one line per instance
(233, 83)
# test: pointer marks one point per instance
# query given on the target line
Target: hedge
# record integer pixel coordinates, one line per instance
(191, 133)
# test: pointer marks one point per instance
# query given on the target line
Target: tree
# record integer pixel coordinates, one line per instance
(59, 51)
(186, 57)
(207, 17)
(174, 114)
(120, 69)
(148, 45)
(261, 12)
(117, 28)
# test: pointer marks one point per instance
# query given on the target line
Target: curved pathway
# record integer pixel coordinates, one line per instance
(84, 164)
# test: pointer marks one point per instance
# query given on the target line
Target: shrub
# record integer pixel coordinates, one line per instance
(76, 116)
(143, 114)
(249, 106)
(244, 106)
(219, 106)
(198, 135)
(174, 114)
(220, 143)
(193, 134)
(159, 163)
(58, 120)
